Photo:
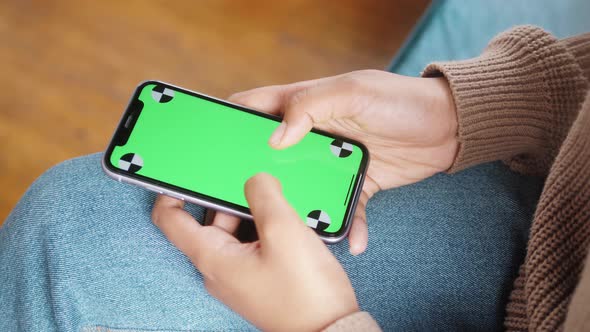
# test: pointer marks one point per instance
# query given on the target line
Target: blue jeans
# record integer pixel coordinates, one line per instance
(79, 250)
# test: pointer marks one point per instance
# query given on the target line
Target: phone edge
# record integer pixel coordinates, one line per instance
(169, 192)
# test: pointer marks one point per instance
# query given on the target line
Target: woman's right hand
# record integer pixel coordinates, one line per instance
(408, 124)
(287, 280)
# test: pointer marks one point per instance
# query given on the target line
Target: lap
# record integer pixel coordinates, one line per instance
(82, 251)
(443, 253)
(88, 244)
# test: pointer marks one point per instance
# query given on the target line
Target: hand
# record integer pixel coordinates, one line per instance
(408, 124)
(287, 280)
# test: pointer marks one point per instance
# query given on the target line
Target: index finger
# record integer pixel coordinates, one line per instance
(199, 243)
(272, 99)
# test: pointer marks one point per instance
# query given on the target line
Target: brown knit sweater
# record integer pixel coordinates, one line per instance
(526, 101)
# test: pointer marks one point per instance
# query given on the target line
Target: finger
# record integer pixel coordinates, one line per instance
(178, 226)
(303, 110)
(358, 238)
(209, 215)
(227, 222)
(266, 99)
(198, 242)
(271, 99)
(275, 219)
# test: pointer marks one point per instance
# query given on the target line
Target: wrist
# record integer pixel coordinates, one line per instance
(443, 103)
(510, 103)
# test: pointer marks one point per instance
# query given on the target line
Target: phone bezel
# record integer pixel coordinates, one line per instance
(216, 203)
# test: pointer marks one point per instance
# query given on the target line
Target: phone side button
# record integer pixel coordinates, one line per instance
(167, 193)
(154, 189)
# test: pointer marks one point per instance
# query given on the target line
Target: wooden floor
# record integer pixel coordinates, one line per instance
(69, 67)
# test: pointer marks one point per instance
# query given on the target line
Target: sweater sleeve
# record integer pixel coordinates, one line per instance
(579, 47)
(359, 321)
(518, 99)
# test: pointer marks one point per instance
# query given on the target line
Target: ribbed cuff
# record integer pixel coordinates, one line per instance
(579, 47)
(516, 101)
(359, 321)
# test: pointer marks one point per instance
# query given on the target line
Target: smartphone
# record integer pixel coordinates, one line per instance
(202, 150)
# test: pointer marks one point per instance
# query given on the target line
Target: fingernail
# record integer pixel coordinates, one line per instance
(275, 138)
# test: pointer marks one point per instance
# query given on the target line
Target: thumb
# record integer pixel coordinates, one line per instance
(303, 110)
(276, 221)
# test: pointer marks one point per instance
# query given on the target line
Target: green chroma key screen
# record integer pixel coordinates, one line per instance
(208, 149)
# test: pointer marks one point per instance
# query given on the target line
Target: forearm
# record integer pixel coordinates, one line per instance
(517, 101)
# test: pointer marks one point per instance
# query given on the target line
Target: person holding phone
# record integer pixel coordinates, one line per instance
(93, 262)
(521, 101)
